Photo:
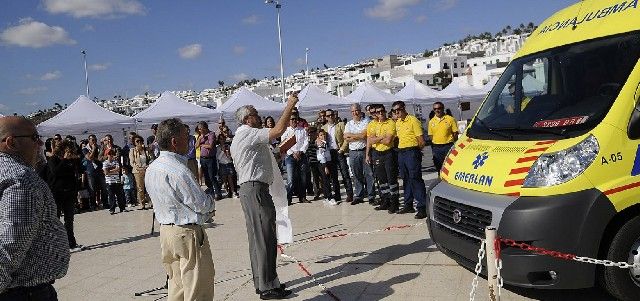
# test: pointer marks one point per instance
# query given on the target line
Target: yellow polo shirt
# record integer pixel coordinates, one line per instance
(197, 136)
(408, 129)
(379, 129)
(441, 129)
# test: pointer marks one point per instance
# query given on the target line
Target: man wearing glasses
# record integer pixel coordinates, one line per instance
(410, 144)
(380, 138)
(34, 250)
(443, 131)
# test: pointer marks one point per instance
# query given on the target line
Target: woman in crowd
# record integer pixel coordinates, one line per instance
(93, 170)
(64, 167)
(140, 158)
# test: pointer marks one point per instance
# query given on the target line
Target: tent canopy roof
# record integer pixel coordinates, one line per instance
(368, 93)
(416, 90)
(169, 105)
(84, 116)
(460, 86)
(312, 97)
(244, 96)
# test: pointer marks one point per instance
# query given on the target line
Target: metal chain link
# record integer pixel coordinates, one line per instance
(478, 269)
(500, 280)
(607, 263)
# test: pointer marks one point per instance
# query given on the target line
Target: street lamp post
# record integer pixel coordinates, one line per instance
(306, 59)
(278, 6)
(86, 73)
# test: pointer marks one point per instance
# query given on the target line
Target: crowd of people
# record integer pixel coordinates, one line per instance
(365, 156)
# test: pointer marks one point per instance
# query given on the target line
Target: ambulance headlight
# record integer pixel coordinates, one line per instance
(557, 168)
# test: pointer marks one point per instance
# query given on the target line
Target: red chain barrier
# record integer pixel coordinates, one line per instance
(496, 247)
(537, 250)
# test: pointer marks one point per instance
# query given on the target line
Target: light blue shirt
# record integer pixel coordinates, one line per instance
(177, 198)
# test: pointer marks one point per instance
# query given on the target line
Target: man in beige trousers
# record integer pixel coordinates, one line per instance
(181, 208)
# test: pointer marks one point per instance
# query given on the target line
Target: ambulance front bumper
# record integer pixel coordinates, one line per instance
(571, 223)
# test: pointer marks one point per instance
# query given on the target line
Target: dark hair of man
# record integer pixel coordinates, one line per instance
(167, 130)
(398, 103)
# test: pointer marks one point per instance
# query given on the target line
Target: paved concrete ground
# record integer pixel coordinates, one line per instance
(123, 258)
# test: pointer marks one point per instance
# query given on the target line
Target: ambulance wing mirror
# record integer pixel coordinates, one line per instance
(633, 131)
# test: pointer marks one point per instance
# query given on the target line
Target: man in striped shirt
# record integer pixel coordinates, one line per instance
(181, 208)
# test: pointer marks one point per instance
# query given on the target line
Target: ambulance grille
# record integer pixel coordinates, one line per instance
(473, 221)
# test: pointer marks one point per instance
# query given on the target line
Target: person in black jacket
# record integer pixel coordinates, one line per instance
(64, 168)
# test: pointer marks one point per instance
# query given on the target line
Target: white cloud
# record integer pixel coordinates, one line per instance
(239, 49)
(99, 67)
(240, 76)
(421, 19)
(253, 19)
(94, 8)
(390, 10)
(88, 27)
(190, 51)
(34, 34)
(446, 4)
(51, 75)
(32, 90)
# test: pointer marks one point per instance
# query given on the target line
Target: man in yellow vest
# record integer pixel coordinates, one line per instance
(380, 138)
(443, 131)
(410, 144)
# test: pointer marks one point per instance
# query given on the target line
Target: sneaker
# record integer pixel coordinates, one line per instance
(421, 214)
(77, 248)
(407, 209)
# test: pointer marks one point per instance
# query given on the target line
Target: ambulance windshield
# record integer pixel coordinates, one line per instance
(558, 93)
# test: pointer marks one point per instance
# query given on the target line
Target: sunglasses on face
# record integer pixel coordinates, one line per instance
(35, 137)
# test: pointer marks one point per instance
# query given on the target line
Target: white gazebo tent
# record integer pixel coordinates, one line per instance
(84, 117)
(460, 86)
(313, 99)
(368, 93)
(244, 96)
(169, 106)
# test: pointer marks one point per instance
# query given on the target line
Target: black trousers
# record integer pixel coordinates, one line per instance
(386, 170)
(42, 292)
(66, 204)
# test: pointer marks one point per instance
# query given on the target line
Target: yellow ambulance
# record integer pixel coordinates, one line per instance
(552, 157)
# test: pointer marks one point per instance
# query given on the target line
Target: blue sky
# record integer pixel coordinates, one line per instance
(137, 46)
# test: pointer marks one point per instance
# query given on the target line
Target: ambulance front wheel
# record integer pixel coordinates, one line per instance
(624, 284)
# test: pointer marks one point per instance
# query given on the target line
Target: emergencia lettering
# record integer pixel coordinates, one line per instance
(599, 14)
(473, 178)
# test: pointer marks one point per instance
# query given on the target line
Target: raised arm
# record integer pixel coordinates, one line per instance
(283, 122)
